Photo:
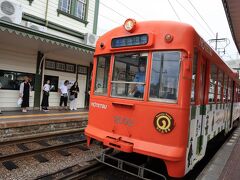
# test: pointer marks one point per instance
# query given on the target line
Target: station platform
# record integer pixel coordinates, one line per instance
(225, 165)
(17, 125)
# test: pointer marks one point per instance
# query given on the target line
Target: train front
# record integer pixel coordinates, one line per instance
(140, 92)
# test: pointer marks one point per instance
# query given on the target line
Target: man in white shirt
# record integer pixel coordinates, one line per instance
(63, 90)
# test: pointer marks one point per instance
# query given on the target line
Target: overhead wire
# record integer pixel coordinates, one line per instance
(201, 17)
(205, 23)
(113, 10)
(130, 9)
(174, 10)
(110, 19)
(194, 18)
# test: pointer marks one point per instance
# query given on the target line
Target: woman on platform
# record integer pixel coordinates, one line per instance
(24, 93)
(45, 101)
(74, 90)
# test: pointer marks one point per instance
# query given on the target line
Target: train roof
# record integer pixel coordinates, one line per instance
(182, 32)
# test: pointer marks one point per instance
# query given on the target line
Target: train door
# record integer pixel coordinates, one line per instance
(202, 83)
(197, 141)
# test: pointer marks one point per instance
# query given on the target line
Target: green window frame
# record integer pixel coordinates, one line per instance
(76, 9)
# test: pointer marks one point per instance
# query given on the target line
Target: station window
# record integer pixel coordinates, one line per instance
(53, 82)
(165, 76)
(194, 76)
(101, 81)
(11, 80)
(220, 86)
(129, 74)
(213, 83)
(74, 8)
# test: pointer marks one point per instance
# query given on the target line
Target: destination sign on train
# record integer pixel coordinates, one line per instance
(130, 41)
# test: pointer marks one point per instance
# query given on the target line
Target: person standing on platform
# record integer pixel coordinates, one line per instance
(74, 90)
(46, 91)
(25, 89)
(63, 90)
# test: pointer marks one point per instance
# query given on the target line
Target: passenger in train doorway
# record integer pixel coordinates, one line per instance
(138, 89)
(45, 99)
(63, 90)
(74, 90)
(24, 93)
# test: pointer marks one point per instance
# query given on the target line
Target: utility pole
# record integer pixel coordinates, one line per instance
(223, 41)
(216, 41)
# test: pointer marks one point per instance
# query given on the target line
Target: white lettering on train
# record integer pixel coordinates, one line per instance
(98, 105)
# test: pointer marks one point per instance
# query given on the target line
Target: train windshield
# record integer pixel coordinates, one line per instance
(129, 74)
(165, 76)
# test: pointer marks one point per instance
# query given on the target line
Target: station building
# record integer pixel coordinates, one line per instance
(46, 39)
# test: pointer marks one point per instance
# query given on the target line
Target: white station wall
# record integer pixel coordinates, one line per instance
(54, 97)
(15, 60)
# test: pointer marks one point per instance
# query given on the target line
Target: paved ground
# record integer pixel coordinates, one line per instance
(225, 165)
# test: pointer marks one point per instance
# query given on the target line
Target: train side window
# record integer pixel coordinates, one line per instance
(101, 81)
(238, 94)
(213, 83)
(165, 76)
(220, 86)
(235, 92)
(225, 88)
(194, 75)
(230, 90)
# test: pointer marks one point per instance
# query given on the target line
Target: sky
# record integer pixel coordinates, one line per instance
(206, 16)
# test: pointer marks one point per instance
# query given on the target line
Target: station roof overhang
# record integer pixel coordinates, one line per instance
(232, 10)
(17, 35)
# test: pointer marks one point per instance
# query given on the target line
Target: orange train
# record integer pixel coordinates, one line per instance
(159, 90)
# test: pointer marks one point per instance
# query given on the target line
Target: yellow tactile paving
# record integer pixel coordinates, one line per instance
(40, 115)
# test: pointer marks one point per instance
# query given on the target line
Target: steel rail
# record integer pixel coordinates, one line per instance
(41, 137)
(41, 150)
(75, 172)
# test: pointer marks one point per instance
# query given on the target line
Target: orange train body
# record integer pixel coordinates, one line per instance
(151, 126)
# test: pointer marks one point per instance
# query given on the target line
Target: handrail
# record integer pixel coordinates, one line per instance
(128, 82)
(123, 104)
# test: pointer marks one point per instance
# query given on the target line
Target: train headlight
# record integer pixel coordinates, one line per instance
(168, 38)
(130, 25)
(163, 122)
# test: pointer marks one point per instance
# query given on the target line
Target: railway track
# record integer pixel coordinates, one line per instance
(74, 172)
(62, 141)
